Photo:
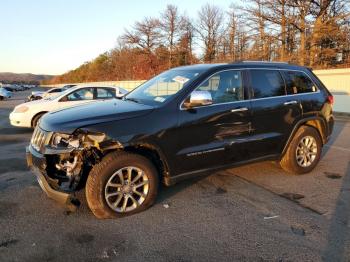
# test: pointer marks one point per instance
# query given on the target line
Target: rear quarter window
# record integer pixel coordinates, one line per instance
(266, 83)
(298, 83)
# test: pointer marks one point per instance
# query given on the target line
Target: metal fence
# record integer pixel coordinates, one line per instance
(336, 80)
(128, 85)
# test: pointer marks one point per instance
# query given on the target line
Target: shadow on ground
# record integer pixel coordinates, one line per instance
(339, 230)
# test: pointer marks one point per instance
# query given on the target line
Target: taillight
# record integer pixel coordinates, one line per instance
(330, 99)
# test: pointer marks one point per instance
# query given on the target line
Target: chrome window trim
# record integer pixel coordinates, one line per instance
(252, 99)
(291, 95)
(226, 103)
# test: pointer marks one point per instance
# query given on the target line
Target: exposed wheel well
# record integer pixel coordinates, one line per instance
(314, 123)
(36, 115)
(319, 126)
(153, 155)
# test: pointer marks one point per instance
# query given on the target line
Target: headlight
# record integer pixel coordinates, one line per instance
(64, 140)
(80, 139)
(21, 109)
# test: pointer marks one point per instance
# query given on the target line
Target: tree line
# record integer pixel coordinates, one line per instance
(314, 33)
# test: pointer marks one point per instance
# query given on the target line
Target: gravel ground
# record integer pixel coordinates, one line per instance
(252, 213)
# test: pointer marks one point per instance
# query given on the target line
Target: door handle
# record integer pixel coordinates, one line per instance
(242, 109)
(290, 103)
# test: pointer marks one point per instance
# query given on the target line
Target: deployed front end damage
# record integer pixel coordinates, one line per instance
(62, 162)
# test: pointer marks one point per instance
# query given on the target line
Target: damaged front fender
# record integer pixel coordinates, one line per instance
(71, 157)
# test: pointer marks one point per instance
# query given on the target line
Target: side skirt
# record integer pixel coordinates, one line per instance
(168, 181)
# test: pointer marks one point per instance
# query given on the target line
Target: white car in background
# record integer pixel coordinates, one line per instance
(4, 93)
(36, 95)
(29, 113)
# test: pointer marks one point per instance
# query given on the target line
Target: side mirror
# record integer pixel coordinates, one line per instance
(198, 98)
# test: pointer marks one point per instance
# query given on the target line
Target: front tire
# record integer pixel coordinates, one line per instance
(303, 152)
(121, 184)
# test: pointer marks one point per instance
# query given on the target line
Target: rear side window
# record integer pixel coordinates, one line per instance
(298, 82)
(105, 93)
(266, 83)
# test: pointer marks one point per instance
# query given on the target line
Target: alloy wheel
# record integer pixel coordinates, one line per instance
(126, 189)
(306, 151)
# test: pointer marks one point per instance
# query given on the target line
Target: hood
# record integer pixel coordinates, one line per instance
(40, 102)
(69, 119)
(47, 95)
(37, 92)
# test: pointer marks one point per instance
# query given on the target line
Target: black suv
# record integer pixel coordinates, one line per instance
(184, 122)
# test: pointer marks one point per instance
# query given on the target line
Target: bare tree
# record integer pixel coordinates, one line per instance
(232, 31)
(301, 10)
(171, 25)
(210, 28)
(145, 34)
(309, 32)
(186, 41)
(327, 36)
(255, 15)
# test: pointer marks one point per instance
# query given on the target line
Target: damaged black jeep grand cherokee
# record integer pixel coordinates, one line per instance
(183, 122)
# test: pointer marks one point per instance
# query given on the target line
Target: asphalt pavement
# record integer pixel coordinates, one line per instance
(256, 212)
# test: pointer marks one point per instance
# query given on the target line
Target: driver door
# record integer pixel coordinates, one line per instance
(215, 135)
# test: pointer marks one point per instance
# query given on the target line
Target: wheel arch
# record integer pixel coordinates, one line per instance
(316, 122)
(37, 114)
(154, 154)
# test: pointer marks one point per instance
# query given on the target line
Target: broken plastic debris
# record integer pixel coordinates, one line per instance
(298, 230)
(293, 196)
(166, 205)
(271, 217)
(105, 254)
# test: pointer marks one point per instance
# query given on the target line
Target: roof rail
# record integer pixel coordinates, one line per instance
(257, 61)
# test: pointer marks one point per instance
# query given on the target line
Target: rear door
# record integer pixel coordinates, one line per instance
(300, 86)
(273, 112)
(215, 135)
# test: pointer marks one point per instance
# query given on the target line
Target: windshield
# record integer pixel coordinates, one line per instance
(162, 87)
(55, 95)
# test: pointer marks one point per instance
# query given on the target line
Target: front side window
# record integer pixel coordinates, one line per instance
(105, 93)
(266, 83)
(162, 87)
(81, 94)
(226, 86)
(299, 82)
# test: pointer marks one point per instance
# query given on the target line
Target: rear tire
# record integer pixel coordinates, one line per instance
(303, 152)
(113, 188)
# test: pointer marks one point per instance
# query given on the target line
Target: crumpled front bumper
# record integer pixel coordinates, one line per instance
(37, 163)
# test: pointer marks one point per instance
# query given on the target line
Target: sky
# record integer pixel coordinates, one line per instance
(55, 36)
